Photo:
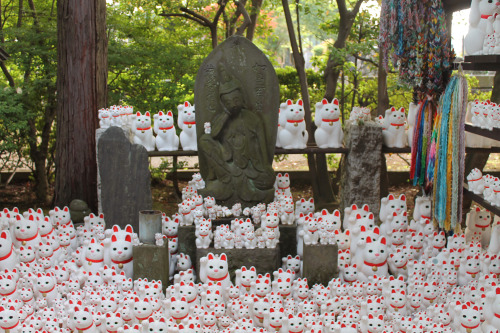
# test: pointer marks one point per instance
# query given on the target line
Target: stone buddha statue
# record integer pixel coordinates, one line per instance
(236, 155)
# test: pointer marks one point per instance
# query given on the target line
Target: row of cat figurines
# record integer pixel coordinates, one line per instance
(292, 132)
(485, 115)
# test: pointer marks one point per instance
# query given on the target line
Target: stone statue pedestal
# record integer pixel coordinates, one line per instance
(320, 263)
(152, 262)
(264, 260)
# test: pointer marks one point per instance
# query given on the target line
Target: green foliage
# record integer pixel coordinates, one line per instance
(290, 86)
(152, 60)
(474, 93)
(165, 169)
(28, 101)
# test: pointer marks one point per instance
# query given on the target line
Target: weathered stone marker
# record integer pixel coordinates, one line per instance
(361, 167)
(152, 262)
(237, 93)
(125, 179)
(320, 263)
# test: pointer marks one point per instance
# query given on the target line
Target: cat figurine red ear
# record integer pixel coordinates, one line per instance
(329, 132)
(143, 133)
(187, 123)
(214, 268)
(393, 129)
(292, 133)
(166, 136)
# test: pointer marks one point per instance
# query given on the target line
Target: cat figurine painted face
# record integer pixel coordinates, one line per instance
(25, 232)
(187, 123)
(214, 268)
(371, 258)
(120, 254)
(166, 136)
(329, 132)
(293, 133)
(393, 131)
(143, 133)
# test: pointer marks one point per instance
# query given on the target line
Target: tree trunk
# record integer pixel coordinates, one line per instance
(254, 14)
(318, 170)
(81, 91)
(383, 96)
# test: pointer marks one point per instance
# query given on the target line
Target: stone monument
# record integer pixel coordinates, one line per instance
(237, 102)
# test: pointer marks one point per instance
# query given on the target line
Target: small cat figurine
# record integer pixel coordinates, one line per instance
(10, 319)
(187, 123)
(293, 133)
(25, 232)
(93, 256)
(475, 181)
(393, 131)
(329, 132)
(143, 134)
(104, 118)
(116, 119)
(282, 184)
(166, 137)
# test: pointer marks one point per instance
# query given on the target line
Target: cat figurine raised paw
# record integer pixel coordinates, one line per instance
(329, 132)
(393, 131)
(293, 133)
(143, 134)
(187, 123)
(166, 136)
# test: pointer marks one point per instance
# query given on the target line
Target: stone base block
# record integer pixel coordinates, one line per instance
(151, 262)
(186, 240)
(264, 260)
(320, 263)
(288, 240)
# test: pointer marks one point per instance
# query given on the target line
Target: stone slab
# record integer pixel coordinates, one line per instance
(264, 260)
(125, 179)
(320, 263)
(186, 241)
(362, 166)
(288, 240)
(151, 262)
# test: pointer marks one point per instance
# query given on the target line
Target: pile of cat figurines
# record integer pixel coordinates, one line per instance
(165, 137)
(398, 276)
(483, 36)
(485, 115)
(486, 185)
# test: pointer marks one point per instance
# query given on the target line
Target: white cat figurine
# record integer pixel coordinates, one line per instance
(412, 118)
(166, 137)
(394, 128)
(214, 268)
(187, 123)
(293, 133)
(480, 12)
(329, 132)
(143, 133)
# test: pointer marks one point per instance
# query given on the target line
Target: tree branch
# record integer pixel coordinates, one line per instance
(7, 74)
(247, 21)
(196, 15)
(203, 23)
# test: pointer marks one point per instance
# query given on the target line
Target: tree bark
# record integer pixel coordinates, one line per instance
(254, 14)
(383, 96)
(318, 170)
(82, 90)
(332, 70)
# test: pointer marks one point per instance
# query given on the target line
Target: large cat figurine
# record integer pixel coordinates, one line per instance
(187, 123)
(479, 23)
(214, 268)
(329, 132)
(8, 257)
(166, 137)
(118, 253)
(393, 131)
(143, 134)
(293, 133)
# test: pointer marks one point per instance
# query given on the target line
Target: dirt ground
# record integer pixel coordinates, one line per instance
(21, 195)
